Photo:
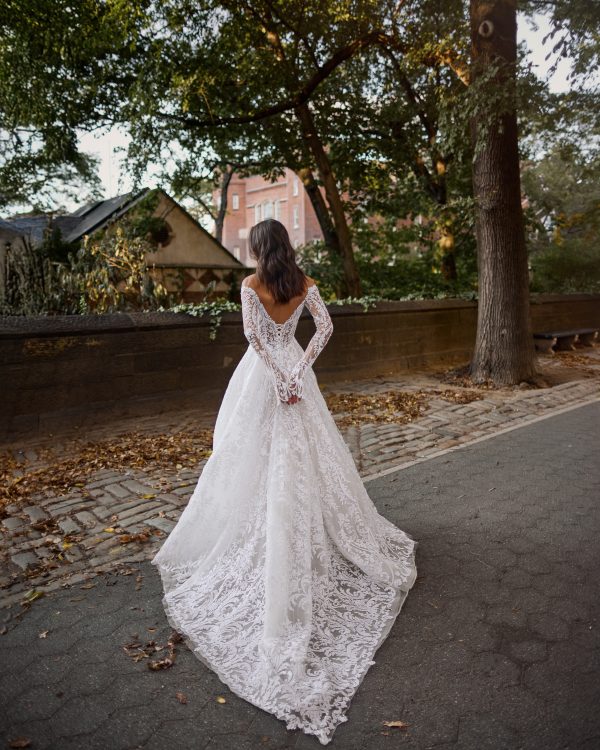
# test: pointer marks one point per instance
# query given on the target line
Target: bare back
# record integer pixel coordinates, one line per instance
(277, 312)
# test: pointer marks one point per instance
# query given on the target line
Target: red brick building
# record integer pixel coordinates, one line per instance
(252, 199)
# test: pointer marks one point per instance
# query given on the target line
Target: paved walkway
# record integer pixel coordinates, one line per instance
(112, 516)
(497, 646)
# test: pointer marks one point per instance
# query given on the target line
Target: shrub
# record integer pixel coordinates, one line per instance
(573, 266)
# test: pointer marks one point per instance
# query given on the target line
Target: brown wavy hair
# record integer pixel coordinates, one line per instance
(276, 266)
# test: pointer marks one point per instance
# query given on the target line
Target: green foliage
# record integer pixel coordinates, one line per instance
(394, 275)
(574, 34)
(563, 190)
(55, 248)
(202, 85)
(31, 283)
(573, 266)
(107, 273)
(366, 301)
(564, 209)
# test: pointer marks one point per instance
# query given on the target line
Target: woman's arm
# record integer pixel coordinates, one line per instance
(317, 343)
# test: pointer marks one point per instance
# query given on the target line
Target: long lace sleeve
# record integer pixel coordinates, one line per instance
(317, 343)
(252, 333)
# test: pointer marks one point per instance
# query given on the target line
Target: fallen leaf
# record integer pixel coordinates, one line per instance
(220, 699)
(31, 596)
(88, 586)
(181, 697)
(132, 450)
(20, 742)
(43, 634)
(110, 530)
(148, 496)
(395, 724)
(165, 663)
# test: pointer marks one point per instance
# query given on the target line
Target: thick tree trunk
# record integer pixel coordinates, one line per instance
(334, 200)
(222, 212)
(320, 208)
(504, 349)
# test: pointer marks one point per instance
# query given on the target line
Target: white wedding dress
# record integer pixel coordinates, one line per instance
(280, 573)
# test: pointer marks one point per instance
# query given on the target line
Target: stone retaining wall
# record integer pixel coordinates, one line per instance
(72, 370)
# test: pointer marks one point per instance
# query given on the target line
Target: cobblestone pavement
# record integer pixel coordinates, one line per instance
(497, 646)
(57, 540)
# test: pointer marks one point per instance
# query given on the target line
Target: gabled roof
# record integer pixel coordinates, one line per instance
(7, 230)
(31, 227)
(202, 229)
(96, 215)
(92, 217)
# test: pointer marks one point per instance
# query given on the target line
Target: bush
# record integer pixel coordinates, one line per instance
(401, 276)
(107, 274)
(573, 266)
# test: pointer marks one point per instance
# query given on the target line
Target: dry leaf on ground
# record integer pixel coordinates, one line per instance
(398, 407)
(20, 742)
(396, 724)
(131, 450)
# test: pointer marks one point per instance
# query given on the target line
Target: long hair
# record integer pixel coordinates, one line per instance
(276, 265)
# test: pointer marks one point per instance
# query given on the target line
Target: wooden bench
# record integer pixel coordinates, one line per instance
(563, 341)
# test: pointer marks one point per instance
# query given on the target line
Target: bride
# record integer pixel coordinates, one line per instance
(280, 573)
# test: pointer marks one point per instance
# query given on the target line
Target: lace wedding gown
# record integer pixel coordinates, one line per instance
(280, 573)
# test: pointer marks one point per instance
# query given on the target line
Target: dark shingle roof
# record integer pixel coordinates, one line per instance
(32, 228)
(95, 215)
(74, 226)
(90, 218)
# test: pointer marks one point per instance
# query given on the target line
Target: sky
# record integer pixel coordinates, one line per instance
(109, 146)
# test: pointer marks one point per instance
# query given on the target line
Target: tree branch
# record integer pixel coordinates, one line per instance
(294, 101)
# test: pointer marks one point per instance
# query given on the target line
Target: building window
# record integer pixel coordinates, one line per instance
(236, 252)
(268, 210)
(296, 217)
(295, 188)
(256, 213)
(277, 210)
(235, 201)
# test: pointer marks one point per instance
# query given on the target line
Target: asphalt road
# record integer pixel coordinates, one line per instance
(497, 646)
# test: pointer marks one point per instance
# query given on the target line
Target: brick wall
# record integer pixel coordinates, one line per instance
(287, 191)
(80, 369)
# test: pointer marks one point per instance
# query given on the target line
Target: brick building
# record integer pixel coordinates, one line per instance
(252, 199)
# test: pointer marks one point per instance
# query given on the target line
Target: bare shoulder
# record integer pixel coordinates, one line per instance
(310, 281)
(250, 281)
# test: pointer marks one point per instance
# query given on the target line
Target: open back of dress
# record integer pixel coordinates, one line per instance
(280, 573)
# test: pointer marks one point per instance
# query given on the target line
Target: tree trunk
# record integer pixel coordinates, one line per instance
(220, 218)
(504, 351)
(334, 200)
(320, 208)
(446, 245)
